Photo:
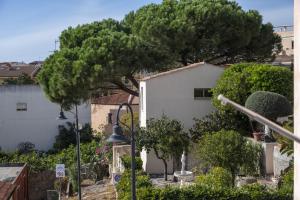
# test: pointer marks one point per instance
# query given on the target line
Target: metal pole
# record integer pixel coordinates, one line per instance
(259, 118)
(133, 187)
(78, 154)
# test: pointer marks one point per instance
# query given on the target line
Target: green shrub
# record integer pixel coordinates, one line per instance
(67, 136)
(216, 178)
(269, 104)
(201, 192)
(286, 184)
(239, 81)
(215, 121)
(229, 150)
(127, 162)
(124, 185)
(25, 147)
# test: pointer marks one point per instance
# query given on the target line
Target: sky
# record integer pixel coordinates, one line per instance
(29, 28)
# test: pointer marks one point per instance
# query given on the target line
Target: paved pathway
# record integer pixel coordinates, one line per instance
(103, 190)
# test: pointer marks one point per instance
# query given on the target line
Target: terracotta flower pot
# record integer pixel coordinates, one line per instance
(257, 136)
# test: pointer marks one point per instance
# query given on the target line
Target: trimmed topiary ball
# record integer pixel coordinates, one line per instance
(269, 104)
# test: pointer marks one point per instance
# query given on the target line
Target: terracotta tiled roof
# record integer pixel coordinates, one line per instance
(6, 190)
(115, 99)
(13, 70)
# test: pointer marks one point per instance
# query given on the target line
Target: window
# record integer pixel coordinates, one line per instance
(202, 93)
(21, 106)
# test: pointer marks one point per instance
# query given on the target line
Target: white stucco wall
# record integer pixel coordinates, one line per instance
(38, 124)
(173, 95)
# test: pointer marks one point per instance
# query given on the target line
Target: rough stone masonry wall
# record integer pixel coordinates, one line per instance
(39, 183)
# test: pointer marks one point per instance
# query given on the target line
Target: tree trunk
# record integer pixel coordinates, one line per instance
(165, 164)
(232, 178)
(165, 170)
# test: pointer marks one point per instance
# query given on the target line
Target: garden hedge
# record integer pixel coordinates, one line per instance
(146, 191)
(269, 104)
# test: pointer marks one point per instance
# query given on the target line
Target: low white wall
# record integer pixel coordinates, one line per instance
(38, 124)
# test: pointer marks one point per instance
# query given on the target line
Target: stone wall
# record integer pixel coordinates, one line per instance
(39, 183)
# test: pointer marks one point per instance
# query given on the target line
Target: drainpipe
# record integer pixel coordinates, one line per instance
(296, 97)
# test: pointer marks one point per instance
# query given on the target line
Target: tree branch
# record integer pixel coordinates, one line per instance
(133, 81)
(125, 89)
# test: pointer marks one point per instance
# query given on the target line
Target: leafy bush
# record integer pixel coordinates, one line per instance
(216, 178)
(286, 184)
(269, 104)
(23, 79)
(198, 192)
(213, 122)
(229, 150)
(67, 136)
(127, 162)
(124, 185)
(287, 145)
(25, 147)
(239, 81)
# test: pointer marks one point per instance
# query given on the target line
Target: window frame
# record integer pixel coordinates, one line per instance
(21, 106)
(204, 92)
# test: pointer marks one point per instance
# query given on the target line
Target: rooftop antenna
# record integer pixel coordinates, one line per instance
(55, 45)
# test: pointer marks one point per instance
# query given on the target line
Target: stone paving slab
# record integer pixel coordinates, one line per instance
(103, 190)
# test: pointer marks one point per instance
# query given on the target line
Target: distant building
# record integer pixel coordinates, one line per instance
(286, 56)
(26, 115)
(104, 106)
(12, 70)
(182, 94)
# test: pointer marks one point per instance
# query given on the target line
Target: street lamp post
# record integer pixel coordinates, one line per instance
(63, 117)
(118, 137)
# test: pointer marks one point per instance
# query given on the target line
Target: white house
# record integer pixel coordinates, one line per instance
(182, 94)
(27, 115)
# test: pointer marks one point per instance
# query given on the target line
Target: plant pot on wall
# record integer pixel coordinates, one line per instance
(258, 136)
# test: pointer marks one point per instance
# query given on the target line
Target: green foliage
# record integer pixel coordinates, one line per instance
(229, 150)
(126, 119)
(145, 190)
(269, 104)
(287, 145)
(67, 136)
(194, 31)
(127, 162)
(23, 79)
(25, 147)
(166, 137)
(286, 185)
(94, 56)
(213, 122)
(216, 178)
(239, 81)
(124, 185)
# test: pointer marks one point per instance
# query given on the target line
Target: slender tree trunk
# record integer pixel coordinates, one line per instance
(165, 164)
(165, 170)
(232, 178)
